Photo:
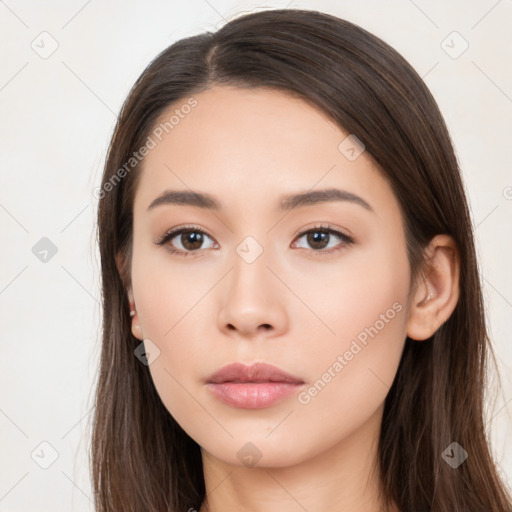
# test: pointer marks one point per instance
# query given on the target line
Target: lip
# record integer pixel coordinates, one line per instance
(252, 387)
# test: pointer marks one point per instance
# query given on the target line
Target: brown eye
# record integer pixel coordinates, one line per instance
(191, 240)
(319, 239)
(185, 241)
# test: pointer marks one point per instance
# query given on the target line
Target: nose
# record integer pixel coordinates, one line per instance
(253, 300)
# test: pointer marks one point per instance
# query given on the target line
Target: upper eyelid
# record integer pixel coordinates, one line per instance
(331, 229)
(171, 233)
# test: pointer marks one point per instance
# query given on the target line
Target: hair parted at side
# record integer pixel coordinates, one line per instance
(141, 459)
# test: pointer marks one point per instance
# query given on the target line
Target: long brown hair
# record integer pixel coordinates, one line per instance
(142, 460)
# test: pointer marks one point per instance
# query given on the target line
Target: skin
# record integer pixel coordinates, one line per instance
(292, 307)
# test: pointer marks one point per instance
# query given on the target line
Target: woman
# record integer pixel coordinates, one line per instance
(293, 316)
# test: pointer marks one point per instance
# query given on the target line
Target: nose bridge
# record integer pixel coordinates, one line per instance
(251, 297)
(250, 260)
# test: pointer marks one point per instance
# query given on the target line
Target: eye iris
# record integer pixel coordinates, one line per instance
(313, 240)
(191, 237)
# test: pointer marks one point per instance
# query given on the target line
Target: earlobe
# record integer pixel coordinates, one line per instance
(137, 331)
(437, 291)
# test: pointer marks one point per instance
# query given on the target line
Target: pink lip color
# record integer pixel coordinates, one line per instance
(252, 387)
(252, 395)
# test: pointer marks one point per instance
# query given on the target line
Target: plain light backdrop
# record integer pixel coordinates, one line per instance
(66, 68)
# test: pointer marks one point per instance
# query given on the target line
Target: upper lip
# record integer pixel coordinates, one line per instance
(257, 372)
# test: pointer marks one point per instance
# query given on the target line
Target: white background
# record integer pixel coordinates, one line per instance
(57, 115)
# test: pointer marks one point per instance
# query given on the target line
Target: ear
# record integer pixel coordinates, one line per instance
(136, 328)
(437, 290)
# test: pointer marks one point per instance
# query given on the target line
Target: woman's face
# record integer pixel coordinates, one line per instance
(268, 282)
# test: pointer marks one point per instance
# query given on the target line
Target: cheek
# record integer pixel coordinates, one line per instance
(350, 376)
(364, 303)
(173, 312)
(362, 297)
(358, 368)
(167, 292)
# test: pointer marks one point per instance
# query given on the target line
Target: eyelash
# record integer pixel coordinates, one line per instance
(346, 240)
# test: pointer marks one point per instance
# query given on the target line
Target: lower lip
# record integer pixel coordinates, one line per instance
(253, 395)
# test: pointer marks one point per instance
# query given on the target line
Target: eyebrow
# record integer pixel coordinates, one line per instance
(202, 200)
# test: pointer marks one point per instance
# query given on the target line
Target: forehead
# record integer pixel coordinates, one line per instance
(250, 146)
